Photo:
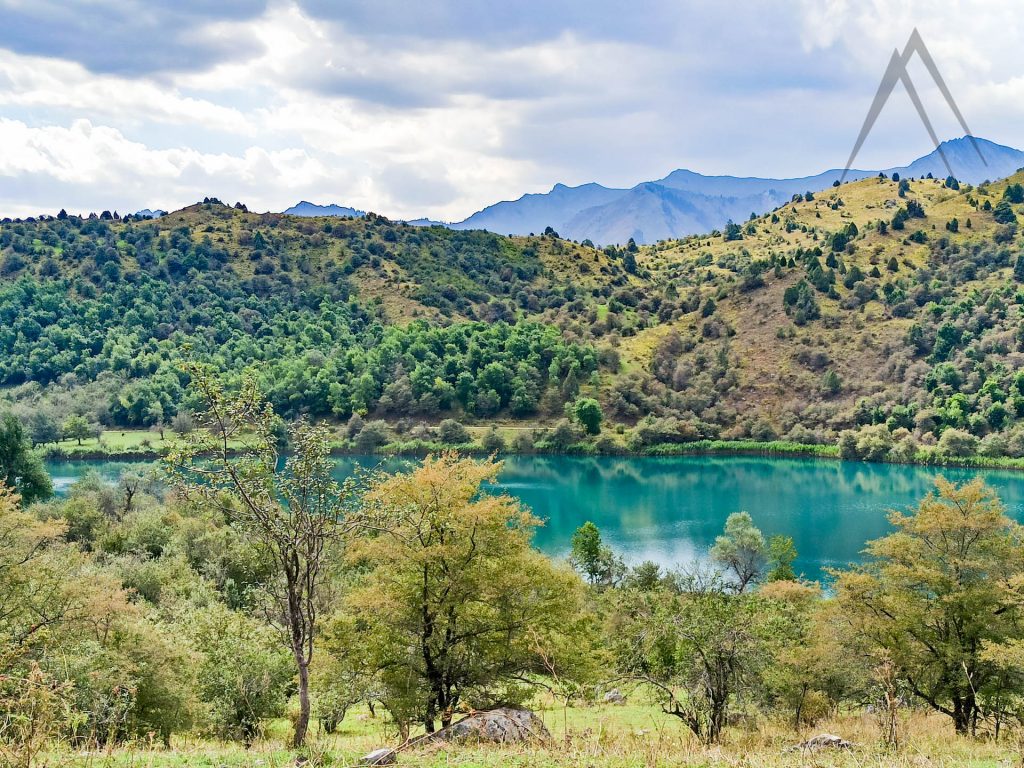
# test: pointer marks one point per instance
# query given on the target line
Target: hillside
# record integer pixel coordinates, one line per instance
(340, 316)
(875, 303)
(823, 316)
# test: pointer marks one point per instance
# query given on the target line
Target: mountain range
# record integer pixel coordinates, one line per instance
(686, 202)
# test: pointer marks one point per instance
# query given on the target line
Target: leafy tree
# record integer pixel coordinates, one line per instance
(781, 556)
(956, 442)
(492, 441)
(295, 514)
(77, 428)
(831, 382)
(1003, 213)
(456, 604)
(698, 649)
(587, 412)
(592, 558)
(43, 428)
(21, 469)
(800, 303)
(934, 595)
(741, 550)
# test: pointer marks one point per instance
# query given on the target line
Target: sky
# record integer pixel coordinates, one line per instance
(442, 107)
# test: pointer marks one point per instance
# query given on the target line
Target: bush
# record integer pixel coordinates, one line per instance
(492, 441)
(372, 436)
(957, 442)
(453, 432)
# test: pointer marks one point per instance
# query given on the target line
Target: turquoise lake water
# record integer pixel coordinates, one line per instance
(670, 509)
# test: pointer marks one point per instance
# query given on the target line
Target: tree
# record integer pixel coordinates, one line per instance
(1018, 269)
(43, 428)
(831, 383)
(741, 549)
(957, 442)
(697, 648)
(800, 303)
(21, 469)
(592, 558)
(587, 412)
(77, 428)
(492, 441)
(296, 514)
(155, 416)
(935, 594)
(1003, 213)
(781, 556)
(456, 604)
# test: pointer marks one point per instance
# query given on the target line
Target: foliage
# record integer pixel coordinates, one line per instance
(295, 514)
(587, 412)
(458, 609)
(741, 549)
(936, 593)
(21, 469)
(593, 559)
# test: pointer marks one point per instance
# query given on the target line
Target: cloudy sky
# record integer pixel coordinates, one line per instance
(424, 108)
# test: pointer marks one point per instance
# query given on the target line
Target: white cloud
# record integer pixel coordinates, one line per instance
(414, 118)
(118, 171)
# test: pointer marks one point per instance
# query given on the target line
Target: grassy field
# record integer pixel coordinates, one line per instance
(593, 737)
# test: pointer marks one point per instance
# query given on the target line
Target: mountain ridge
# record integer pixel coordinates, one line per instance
(686, 202)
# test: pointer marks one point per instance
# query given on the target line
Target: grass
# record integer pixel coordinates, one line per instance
(114, 442)
(604, 736)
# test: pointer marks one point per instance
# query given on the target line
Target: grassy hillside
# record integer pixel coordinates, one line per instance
(822, 316)
(880, 304)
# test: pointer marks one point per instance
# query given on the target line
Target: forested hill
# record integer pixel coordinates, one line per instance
(889, 307)
(339, 316)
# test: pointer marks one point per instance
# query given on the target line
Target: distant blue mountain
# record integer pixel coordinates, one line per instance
(311, 209)
(535, 212)
(686, 202)
(999, 161)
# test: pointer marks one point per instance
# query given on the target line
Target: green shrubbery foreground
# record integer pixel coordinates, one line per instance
(241, 591)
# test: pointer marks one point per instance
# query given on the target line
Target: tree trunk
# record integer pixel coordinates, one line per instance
(302, 722)
(963, 714)
(428, 715)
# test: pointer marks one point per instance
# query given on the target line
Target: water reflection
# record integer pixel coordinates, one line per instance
(670, 509)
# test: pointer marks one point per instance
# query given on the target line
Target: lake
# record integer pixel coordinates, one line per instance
(670, 509)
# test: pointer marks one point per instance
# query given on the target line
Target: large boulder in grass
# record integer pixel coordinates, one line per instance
(504, 725)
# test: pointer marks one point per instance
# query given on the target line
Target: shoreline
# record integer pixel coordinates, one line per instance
(698, 448)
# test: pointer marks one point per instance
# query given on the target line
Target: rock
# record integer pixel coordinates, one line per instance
(382, 756)
(614, 697)
(822, 741)
(501, 726)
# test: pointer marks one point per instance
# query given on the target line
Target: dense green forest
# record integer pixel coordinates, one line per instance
(882, 319)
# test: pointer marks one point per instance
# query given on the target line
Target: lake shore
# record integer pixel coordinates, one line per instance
(139, 445)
